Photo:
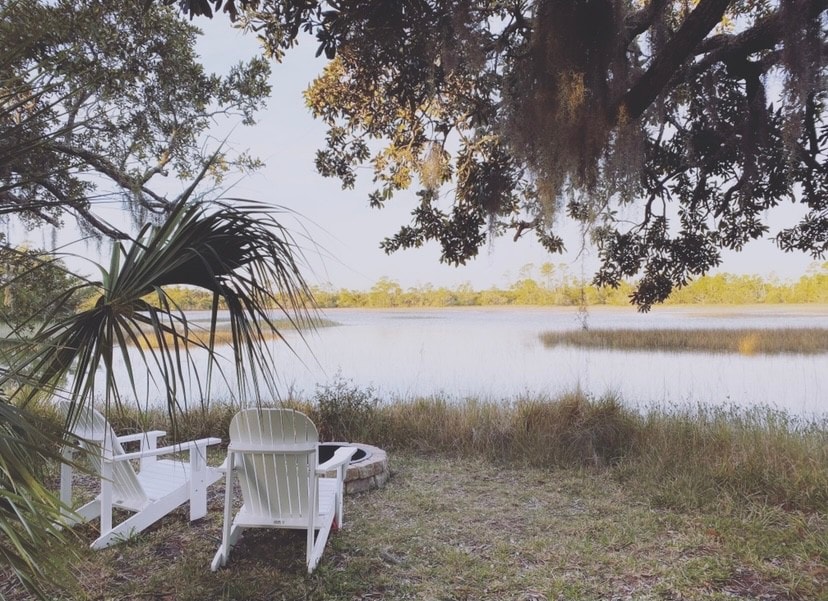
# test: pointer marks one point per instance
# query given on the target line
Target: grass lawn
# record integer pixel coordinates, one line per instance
(466, 529)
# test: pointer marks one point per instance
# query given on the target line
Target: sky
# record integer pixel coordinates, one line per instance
(339, 221)
(340, 232)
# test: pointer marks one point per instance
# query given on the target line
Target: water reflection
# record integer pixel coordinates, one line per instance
(496, 353)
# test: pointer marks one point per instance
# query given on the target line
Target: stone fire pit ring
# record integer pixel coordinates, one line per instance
(368, 469)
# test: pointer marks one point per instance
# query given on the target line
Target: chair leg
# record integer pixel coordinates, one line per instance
(319, 545)
(339, 516)
(66, 480)
(106, 496)
(340, 489)
(230, 532)
(135, 523)
(220, 558)
(223, 553)
(310, 550)
(90, 511)
(198, 483)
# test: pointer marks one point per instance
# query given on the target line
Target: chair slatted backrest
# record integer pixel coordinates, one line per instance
(275, 482)
(99, 441)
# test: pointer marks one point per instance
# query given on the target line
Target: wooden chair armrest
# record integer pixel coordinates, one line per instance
(176, 448)
(141, 436)
(342, 456)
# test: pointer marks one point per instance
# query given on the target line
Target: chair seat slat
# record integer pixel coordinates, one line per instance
(274, 455)
(157, 489)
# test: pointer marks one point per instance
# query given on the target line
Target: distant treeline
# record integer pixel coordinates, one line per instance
(553, 284)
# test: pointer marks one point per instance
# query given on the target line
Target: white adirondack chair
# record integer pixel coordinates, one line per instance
(156, 489)
(274, 454)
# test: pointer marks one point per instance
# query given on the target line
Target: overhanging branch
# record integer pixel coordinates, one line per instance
(700, 22)
(765, 35)
(638, 22)
(103, 166)
(84, 213)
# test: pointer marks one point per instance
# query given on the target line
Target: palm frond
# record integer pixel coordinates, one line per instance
(237, 250)
(30, 533)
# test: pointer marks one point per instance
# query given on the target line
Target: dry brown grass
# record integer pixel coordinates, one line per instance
(199, 334)
(699, 457)
(714, 340)
(569, 431)
(466, 528)
(696, 458)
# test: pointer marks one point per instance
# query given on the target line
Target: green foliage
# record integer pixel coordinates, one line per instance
(98, 101)
(343, 411)
(32, 544)
(660, 126)
(238, 252)
(385, 293)
(30, 282)
(557, 287)
(812, 287)
(190, 298)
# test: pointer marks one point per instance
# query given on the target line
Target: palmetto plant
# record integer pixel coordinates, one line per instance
(77, 99)
(236, 249)
(29, 512)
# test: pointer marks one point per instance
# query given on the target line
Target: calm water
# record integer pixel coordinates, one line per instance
(496, 353)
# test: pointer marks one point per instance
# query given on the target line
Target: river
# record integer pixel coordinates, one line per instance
(495, 353)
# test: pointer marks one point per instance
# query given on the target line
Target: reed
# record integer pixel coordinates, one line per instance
(713, 340)
(199, 334)
(696, 456)
(569, 431)
(516, 494)
(678, 458)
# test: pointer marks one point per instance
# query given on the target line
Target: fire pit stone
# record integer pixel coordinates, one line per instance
(368, 469)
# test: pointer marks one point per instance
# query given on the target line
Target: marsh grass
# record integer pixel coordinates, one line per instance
(463, 528)
(714, 340)
(199, 333)
(684, 458)
(568, 498)
(681, 458)
(695, 458)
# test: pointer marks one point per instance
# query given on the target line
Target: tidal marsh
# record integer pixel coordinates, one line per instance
(708, 340)
(547, 498)
(199, 332)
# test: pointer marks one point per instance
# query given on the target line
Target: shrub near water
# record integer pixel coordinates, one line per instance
(694, 457)
(344, 412)
(681, 458)
(686, 458)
